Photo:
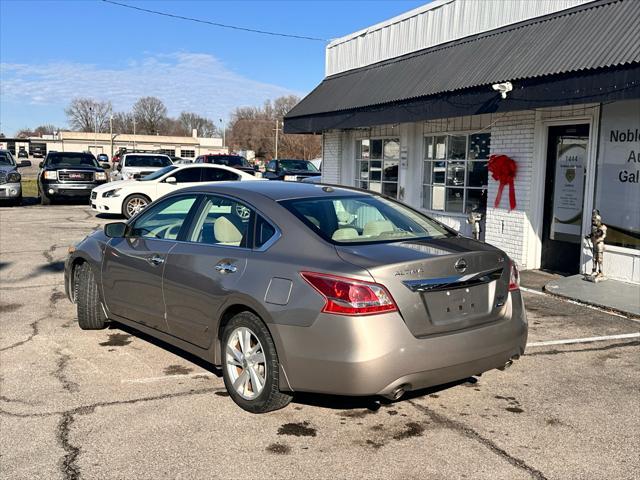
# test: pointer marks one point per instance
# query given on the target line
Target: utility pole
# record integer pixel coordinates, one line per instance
(134, 133)
(111, 133)
(277, 131)
(223, 128)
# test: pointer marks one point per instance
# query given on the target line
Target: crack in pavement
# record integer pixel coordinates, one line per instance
(590, 349)
(68, 466)
(59, 372)
(472, 434)
(86, 409)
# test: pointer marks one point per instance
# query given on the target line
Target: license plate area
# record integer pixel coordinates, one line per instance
(458, 304)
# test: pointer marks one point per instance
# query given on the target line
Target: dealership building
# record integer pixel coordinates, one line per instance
(414, 108)
(66, 141)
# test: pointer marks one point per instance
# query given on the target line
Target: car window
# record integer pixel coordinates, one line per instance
(222, 221)
(264, 231)
(218, 175)
(6, 159)
(165, 219)
(71, 159)
(154, 161)
(157, 174)
(303, 165)
(188, 175)
(364, 219)
(271, 166)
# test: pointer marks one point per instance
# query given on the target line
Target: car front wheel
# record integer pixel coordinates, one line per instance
(250, 365)
(134, 204)
(90, 316)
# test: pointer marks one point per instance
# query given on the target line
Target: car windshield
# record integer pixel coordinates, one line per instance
(154, 161)
(228, 160)
(364, 219)
(157, 174)
(304, 165)
(6, 159)
(70, 159)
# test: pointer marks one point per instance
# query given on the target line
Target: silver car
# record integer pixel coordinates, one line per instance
(10, 178)
(293, 287)
(137, 165)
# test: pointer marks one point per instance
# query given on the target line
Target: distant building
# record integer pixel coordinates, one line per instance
(185, 147)
(414, 107)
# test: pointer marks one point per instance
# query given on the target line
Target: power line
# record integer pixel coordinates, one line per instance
(215, 24)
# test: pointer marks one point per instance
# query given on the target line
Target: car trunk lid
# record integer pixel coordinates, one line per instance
(439, 285)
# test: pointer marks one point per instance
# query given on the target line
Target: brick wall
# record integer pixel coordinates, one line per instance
(331, 156)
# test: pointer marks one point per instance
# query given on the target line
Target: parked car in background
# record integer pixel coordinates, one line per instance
(103, 158)
(37, 153)
(22, 153)
(290, 170)
(235, 161)
(137, 165)
(69, 174)
(314, 179)
(380, 301)
(181, 161)
(10, 178)
(128, 197)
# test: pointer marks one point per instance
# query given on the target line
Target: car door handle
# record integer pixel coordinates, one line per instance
(224, 267)
(155, 260)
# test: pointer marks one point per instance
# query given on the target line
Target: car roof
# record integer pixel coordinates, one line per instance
(147, 154)
(278, 190)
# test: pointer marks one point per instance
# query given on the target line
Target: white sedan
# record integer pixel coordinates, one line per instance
(128, 197)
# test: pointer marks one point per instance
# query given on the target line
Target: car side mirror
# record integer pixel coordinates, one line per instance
(41, 164)
(105, 165)
(115, 229)
(119, 167)
(171, 180)
(24, 163)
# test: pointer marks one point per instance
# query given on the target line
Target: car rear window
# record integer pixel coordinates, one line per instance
(228, 160)
(156, 161)
(364, 219)
(303, 165)
(70, 159)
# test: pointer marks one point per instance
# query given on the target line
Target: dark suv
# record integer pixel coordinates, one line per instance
(290, 170)
(69, 174)
(234, 161)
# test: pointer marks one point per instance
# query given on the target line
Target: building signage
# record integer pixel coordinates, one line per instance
(568, 190)
(618, 176)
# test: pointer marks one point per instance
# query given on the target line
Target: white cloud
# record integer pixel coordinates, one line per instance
(183, 81)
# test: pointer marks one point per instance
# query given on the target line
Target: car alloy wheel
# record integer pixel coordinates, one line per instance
(135, 205)
(245, 363)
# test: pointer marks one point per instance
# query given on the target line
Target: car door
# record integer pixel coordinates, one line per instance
(185, 177)
(201, 272)
(133, 266)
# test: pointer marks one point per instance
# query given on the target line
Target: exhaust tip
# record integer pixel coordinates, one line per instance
(506, 365)
(397, 392)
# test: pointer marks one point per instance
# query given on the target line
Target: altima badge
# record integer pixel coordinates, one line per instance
(461, 265)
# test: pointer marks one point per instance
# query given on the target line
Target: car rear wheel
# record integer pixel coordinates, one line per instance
(90, 316)
(250, 365)
(134, 204)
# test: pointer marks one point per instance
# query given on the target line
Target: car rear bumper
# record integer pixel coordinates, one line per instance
(373, 355)
(10, 190)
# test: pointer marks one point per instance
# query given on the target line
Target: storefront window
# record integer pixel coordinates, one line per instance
(455, 172)
(377, 165)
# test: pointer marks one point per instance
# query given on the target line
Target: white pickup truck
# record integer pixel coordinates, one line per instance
(137, 165)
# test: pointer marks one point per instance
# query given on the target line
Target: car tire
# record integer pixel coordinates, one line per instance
(268, 397)
(130, 201)
(18, 201)
(44, 200)
(90, 315)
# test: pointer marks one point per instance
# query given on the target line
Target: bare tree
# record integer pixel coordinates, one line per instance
(151, 115)
(85, 114)
(122, 122)
(190, 121)
(253, 128)
(47, 129)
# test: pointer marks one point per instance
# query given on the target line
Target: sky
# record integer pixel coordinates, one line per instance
(52, 51)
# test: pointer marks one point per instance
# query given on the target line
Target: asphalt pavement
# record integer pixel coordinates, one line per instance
(118, 404)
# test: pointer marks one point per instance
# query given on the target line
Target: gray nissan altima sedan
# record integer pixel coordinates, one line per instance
(294, 287)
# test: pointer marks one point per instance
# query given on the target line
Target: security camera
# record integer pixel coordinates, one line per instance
(503, 88)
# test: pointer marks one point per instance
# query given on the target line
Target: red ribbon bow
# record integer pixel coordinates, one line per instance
(503, 169)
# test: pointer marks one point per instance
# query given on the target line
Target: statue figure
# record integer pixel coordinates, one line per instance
(596, 237)
(473, 219)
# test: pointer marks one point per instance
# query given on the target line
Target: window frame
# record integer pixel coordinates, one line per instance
(150, 211)
(359, 160)
(464, 187)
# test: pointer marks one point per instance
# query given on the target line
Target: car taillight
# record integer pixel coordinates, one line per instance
(514, 276)
(346, 296)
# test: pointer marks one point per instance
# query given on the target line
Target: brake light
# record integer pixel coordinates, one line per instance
(514, 276)
(346, 296)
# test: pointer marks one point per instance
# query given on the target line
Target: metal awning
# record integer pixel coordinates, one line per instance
(590, 53)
